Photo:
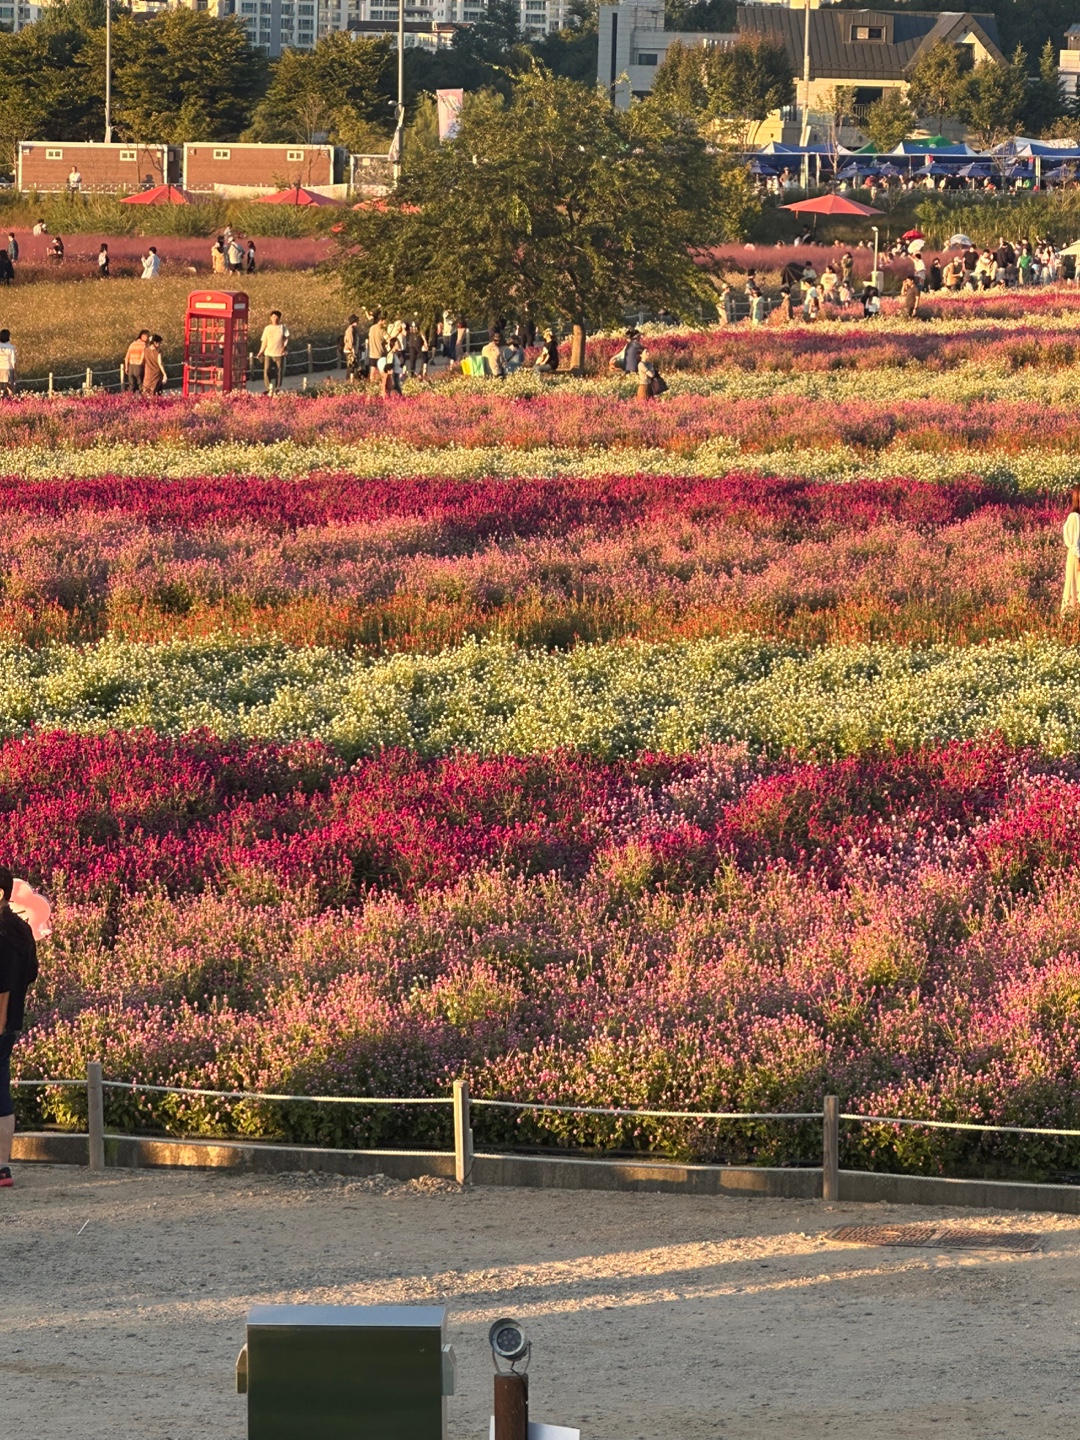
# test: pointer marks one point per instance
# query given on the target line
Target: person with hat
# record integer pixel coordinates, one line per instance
(548, 360)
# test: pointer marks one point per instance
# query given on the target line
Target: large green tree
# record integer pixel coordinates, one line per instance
(1044, 103)
(993, 100)
(343, 87)
(548, 204)
(937, 82)
(889, 120)
(182, 75)
(730, 89)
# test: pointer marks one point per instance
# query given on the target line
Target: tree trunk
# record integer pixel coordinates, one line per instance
(577, 346)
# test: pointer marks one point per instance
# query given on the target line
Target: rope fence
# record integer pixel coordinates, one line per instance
(830, 1116)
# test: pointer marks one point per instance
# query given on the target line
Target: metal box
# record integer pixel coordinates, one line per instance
(346, 1372)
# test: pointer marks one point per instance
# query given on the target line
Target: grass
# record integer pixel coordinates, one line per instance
(93, 214)
(65, 326)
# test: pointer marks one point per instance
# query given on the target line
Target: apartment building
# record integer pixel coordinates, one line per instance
(14, 15)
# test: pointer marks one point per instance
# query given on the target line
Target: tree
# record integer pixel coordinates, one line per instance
(1045, 101)
(547, 204)
(729, 90)
(572, 51)
(890, 120)
(182, 75)
(937, 81)
(701, 15)
(993, 99)
(343, 87)
(839, 104)
(48, 85)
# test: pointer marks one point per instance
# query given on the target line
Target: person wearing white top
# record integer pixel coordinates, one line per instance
(272, 348)
(1070, 599)
(8, 361)
(151, 264)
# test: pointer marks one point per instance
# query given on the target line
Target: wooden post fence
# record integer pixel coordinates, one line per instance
(830, 1150)
(95, 1115)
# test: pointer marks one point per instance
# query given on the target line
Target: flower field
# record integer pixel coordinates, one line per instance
(711, 755)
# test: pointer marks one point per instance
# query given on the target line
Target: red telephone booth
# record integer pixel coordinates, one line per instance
(215, 341)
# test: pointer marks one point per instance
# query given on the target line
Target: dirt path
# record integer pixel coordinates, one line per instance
(652, 1317)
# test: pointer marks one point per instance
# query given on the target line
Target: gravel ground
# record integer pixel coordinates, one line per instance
(122, 1303)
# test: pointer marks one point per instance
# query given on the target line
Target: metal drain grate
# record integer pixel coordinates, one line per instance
(937, 1237)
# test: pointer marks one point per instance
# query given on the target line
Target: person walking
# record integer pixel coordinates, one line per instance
(217, 256)
(250, 257)
(8, 362)
(154, 375)
(272, 349)
(134, 361)
(103, 262)
(234, 257)
(415, 349)
(151, 264)
(18, 971)
(1070, 599)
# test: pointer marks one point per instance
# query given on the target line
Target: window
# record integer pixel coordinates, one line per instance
(306, 9)
(248, 7)
(222, 154)
(131, 155)
(868, 32)
(648, 57)
(54, 154)
(294, 155)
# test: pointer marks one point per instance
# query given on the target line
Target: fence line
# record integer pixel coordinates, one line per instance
(829, 1116)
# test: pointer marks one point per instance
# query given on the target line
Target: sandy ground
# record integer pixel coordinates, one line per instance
(122, 1303)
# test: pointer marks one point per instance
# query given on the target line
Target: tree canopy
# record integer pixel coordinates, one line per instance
(889, 120)
(547, 204)
(729, 88)
(342, 88)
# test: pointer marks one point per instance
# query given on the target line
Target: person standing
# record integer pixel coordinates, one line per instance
(134, 361)
(103, 262)
(376, 345)
(18, 971)
(494, 361)
(646, 374)
(8, 362)
(272, 349)
(235, 257)
(154, 375)
(7, 270)
(251, 257)
(459, 343)
(151, 264)
(12, 247)
(1070, 599)
(56, 250)
(74, 180)
(351, 345)
(217, 256)
(909, 297)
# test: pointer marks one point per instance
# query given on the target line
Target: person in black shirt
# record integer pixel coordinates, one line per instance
(18, 971)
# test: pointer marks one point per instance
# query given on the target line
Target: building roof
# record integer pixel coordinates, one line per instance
(835, 55)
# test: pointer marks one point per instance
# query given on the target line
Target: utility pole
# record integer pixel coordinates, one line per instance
(806, 73)
(108, 72)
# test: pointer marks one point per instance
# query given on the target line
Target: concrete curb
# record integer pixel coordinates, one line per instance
(550, 1173)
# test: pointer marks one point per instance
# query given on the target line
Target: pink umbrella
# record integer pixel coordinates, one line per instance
(34, 909)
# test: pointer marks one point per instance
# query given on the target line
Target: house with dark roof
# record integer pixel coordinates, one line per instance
(869, 50)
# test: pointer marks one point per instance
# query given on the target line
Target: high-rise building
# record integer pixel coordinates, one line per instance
(14, 14)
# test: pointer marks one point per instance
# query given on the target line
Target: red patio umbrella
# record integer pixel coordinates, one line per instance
(913, 235)
(295, 195)
(831, 205)
(158, 195)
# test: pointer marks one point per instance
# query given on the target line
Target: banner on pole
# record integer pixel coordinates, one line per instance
(449, 102)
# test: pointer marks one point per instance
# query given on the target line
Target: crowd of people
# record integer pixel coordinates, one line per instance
(385, 352)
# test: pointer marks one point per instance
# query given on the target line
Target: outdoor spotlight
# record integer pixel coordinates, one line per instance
(508, 1343)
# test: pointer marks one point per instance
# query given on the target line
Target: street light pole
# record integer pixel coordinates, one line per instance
(108, 72)
(806, 72)
(875, 279)
(400, 116)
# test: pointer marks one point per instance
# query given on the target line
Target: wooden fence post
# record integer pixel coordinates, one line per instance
(463, 1137)
(89, 382)
(95, 1115)
(310, 360)
(511, 1407)
(830, 1150)
(50, 382)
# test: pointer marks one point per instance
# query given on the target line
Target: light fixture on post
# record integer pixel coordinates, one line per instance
(511, 1351)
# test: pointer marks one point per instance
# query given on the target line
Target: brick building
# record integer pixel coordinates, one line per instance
(224, 167)
(105, 169)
